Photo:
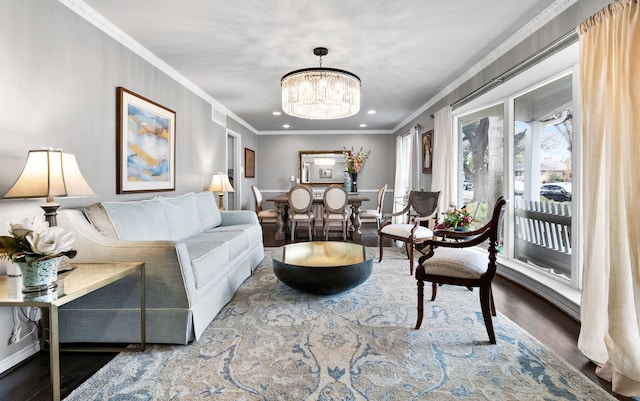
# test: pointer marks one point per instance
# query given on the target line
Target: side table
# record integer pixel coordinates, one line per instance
(83, 279)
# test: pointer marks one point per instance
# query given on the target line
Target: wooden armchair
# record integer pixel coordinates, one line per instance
(420, 209)
(450, 261)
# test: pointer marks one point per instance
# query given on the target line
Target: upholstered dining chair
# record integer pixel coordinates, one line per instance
(335, 201)
(300, 199)
(375, 214)
(421, 207)
(449, 260)
(264, 215)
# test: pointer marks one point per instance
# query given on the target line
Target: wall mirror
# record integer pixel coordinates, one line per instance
(321, 167)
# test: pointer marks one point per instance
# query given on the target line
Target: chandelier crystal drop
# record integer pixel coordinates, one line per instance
(320, 93)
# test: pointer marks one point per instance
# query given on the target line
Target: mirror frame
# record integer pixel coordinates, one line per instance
(302, 153)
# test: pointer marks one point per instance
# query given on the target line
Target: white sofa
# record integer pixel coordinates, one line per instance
(195, 258)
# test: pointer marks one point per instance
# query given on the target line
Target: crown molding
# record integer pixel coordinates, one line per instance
(219, 112)
(549, 13)
(327, 132)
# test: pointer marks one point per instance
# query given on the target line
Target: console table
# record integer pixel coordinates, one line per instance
(81, 280)
(282, 203)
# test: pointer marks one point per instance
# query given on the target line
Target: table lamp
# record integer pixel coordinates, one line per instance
(49, 173)
(220, 184)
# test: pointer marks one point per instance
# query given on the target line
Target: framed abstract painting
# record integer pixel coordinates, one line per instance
(146, 144)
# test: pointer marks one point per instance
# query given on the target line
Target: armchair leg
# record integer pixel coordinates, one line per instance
(381, 248)
(419, 277)
(434, 291)
(485, 304)
(410, 253)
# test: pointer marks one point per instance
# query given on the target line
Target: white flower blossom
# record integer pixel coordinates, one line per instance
(27, 226)
(50, 241)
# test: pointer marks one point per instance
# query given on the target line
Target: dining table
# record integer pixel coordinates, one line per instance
(281, 202)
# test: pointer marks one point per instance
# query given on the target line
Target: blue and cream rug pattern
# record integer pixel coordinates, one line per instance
(275, 343)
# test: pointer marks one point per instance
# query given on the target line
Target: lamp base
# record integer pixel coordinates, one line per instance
(220, 196)
(50, 212)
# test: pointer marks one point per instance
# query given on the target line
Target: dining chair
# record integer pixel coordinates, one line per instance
(375, 214)
(335, 201)
(264, 215)
(300, 199)
(449, 260)
(421, 207)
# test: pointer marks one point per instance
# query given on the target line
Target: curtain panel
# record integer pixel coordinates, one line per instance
(445, 153)
(610, 223)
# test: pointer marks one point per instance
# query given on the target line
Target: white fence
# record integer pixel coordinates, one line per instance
(543, 234)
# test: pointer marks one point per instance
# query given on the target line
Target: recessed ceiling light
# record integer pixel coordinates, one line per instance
(371, 111)
(276, 113)
(286, 126)
(363, 125)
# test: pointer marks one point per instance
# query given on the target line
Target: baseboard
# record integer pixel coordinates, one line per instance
(558, 293)
(19, 356)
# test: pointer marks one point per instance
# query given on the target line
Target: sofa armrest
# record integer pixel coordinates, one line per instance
(233, 217)
(165, 261)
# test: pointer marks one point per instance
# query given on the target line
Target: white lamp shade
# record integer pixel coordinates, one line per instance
(49, 174)
(220, 183)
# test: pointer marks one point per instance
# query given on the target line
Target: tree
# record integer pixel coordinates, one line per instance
(483, 161)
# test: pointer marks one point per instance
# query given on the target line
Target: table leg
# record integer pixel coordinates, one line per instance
(280, 221)
(355, 220)
(54, 352)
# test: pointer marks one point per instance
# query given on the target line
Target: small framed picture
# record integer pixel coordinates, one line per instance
(249, 163)
(326, 173)
(146, 144)
(427, 152)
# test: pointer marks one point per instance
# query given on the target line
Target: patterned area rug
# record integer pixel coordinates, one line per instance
(274, 343)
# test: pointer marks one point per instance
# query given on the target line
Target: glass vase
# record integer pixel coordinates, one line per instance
(354, 182)
(347, 182)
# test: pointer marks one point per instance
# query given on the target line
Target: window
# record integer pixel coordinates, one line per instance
(542, 142)
(534, 169)
(481, 163)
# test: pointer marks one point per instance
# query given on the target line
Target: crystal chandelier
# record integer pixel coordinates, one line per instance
(320, 93)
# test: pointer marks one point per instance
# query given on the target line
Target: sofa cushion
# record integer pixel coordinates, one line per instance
(207, 210)
(181, 215)
(99, 218)
(208, 258)
(138, 220)
(253, 231)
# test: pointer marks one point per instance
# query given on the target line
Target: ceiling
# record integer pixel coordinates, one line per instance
(404, 51)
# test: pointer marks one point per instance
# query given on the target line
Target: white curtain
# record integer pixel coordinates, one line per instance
(445, 156)
(415, 166)
(398, 186)
(610, 223)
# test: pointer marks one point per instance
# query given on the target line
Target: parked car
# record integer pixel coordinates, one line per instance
(559, 191)
(467, 185)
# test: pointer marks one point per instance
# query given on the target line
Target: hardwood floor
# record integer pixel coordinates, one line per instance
(542, 320)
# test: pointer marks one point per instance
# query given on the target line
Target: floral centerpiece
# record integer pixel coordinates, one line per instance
(37, 249)
(354, 162)
(456, 219)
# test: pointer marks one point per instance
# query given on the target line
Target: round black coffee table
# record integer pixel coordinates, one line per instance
(323, 267)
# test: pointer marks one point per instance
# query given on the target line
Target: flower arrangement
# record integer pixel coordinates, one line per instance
(455, 218)
(355, 161)
(37, 241)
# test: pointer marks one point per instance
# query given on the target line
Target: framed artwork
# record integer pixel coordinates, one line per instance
(326, 173)
(249, 163)
(145, 144)
(427, 152)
